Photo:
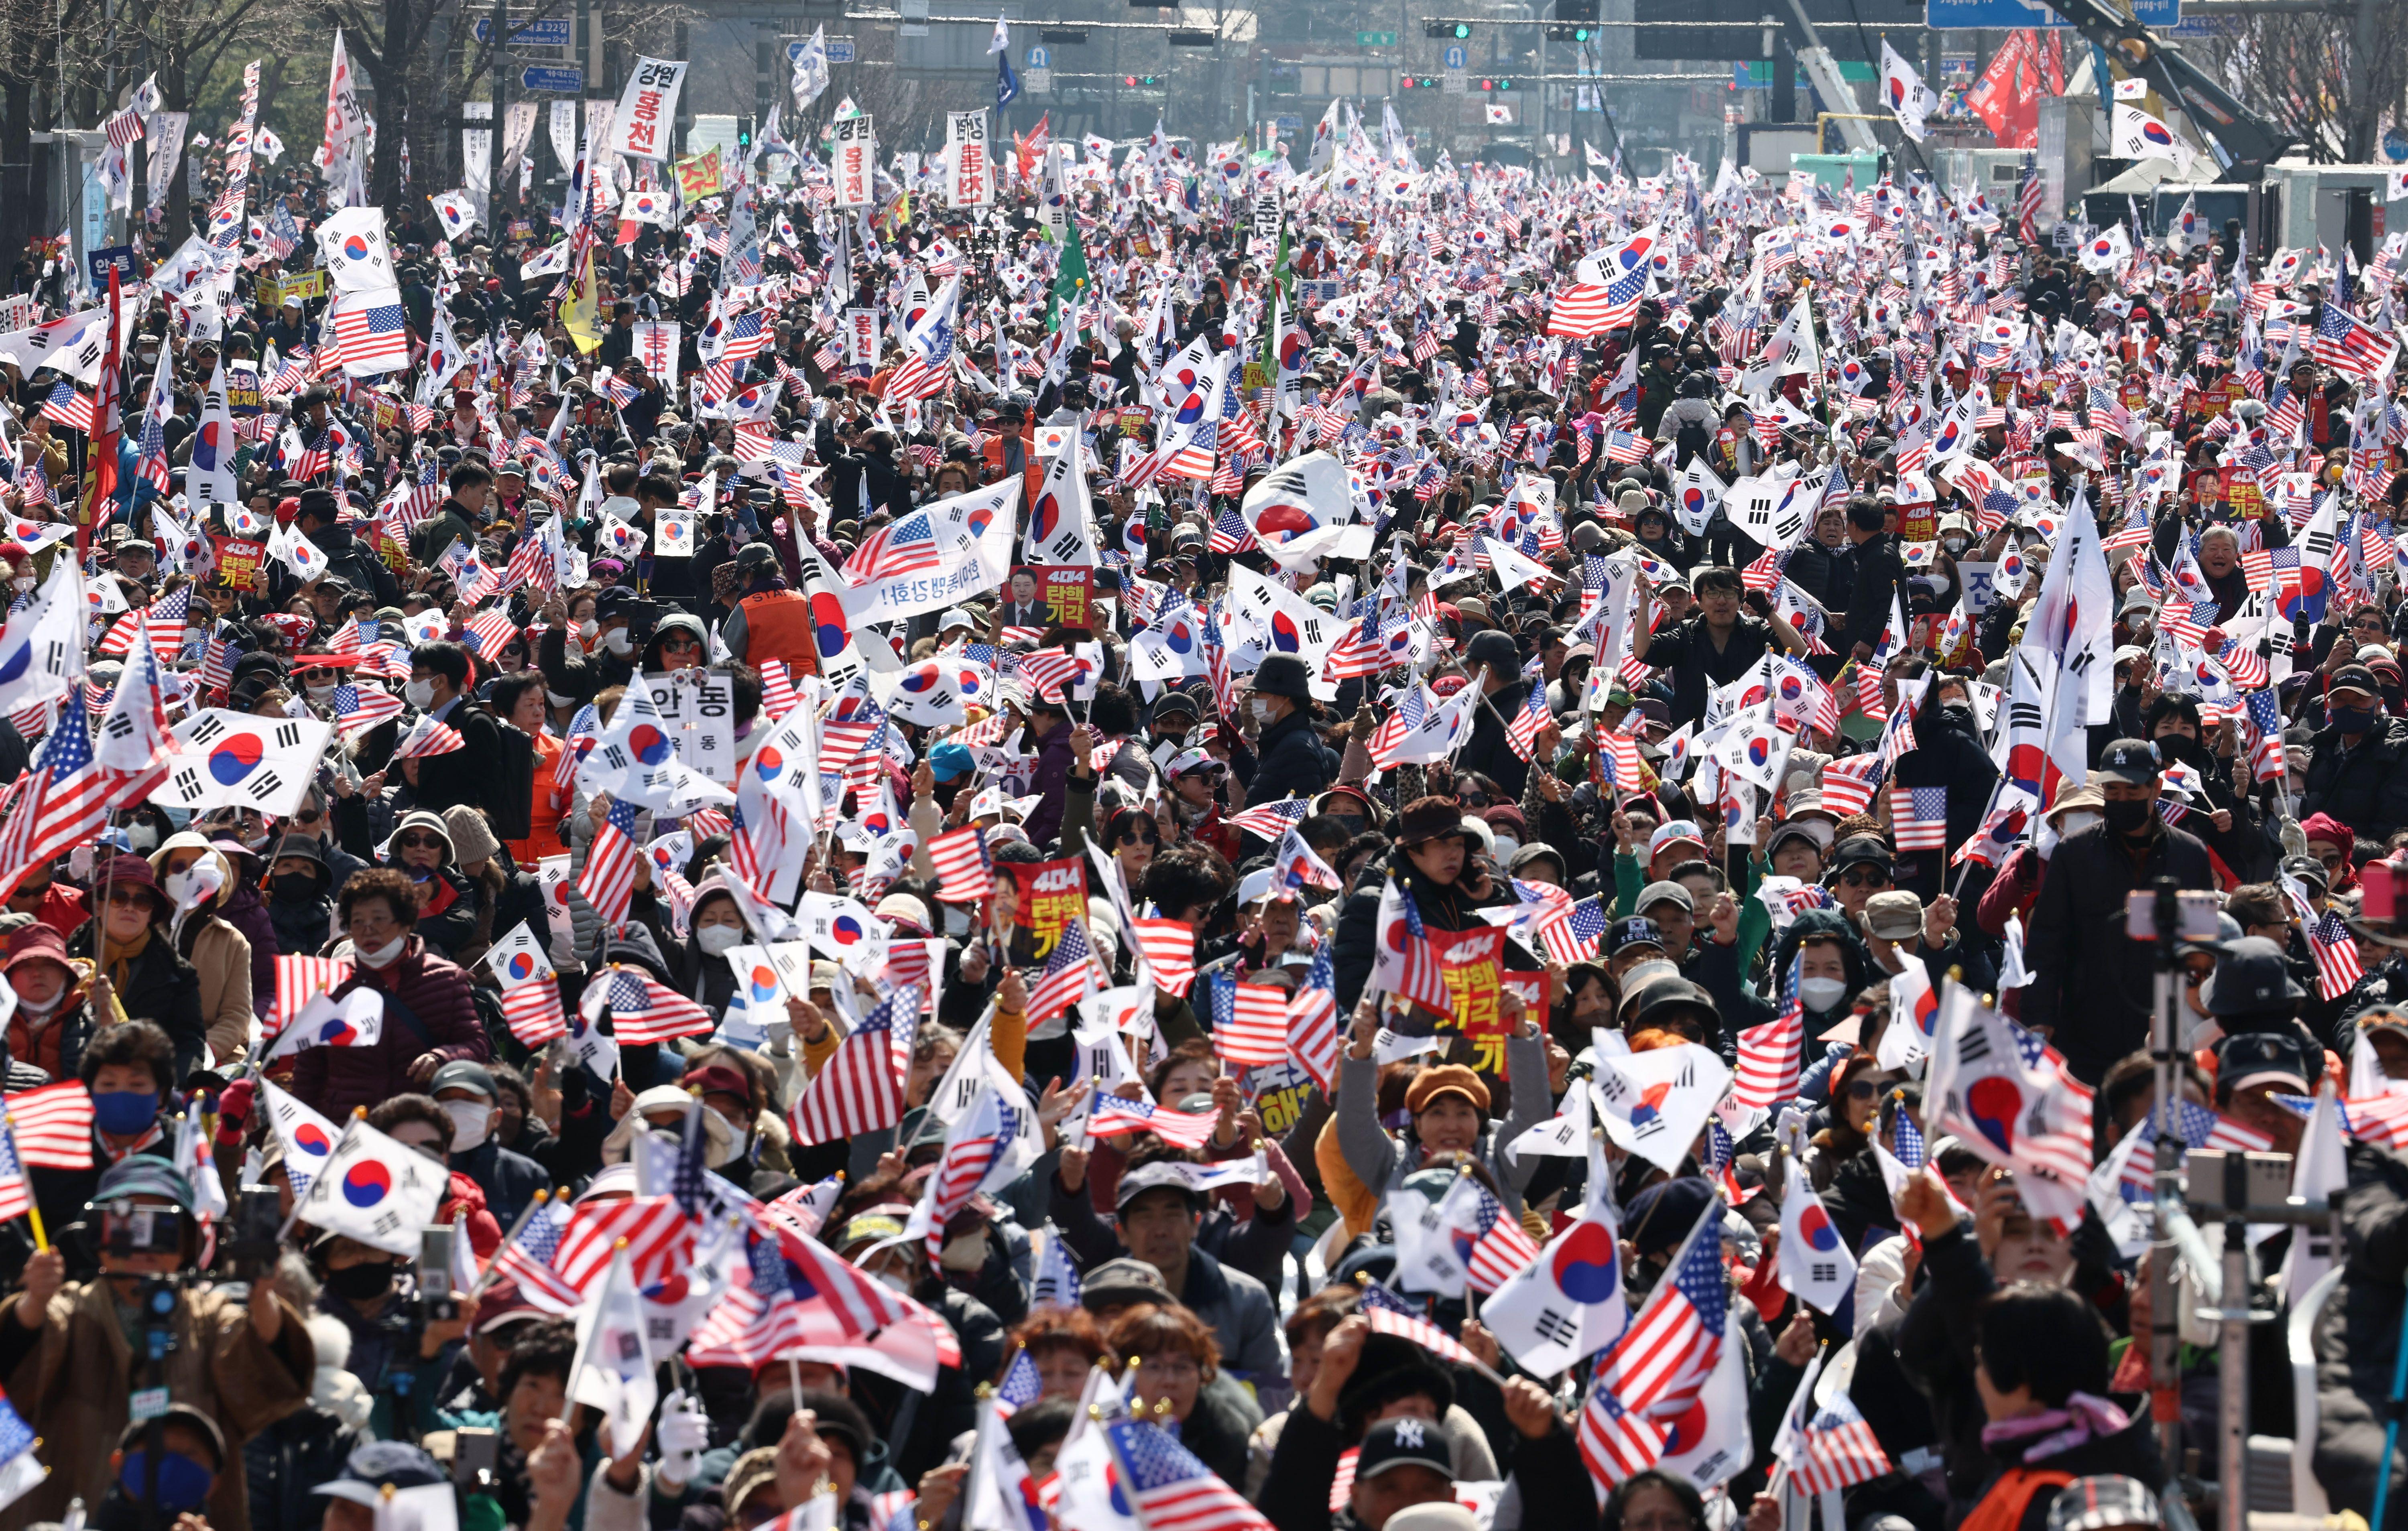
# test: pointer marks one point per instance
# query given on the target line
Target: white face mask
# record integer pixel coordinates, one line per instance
(617, 641)
(716, 939)
(1261, 707)
(586, 629)
(2075, 822)
(894, 1282)
(142, 839)
(470, 1120)
(419, 693)
(379, 956)
(1821, 994)
(555, 699)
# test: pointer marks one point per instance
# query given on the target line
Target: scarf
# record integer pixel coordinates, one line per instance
(2084, 1417)
(120, 957)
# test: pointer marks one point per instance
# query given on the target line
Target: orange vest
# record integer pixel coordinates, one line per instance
(778, 625)
(2002, 1507)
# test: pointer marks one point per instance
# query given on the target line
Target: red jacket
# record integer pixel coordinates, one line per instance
(434, 992)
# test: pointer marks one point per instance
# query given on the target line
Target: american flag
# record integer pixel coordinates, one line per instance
(2266, 761)
(16, 1197)
(2335, 949)
(1571, 935)
(372, 332)
(1771, 1056)
(1662, 1361)
(528, 1256)
(658, 1234)
(1248, 1019)
(69, 407)
(965, 870)
(52, 1125)
(1272, 820)
(359, 709)
(63, 804)
(1230, 533)
(2028, 199)
(1616, 1443)
(1047, 670)
(1068, 974)
(643, 1008)
(1849, 783)
(1924, 825)
(1114, 1116)
(1170, 947)
(1173, 1489)
(1390, 1314)
(608, 880)
(760, 1319)
(1836, 1450)
(1312, 1020)
(2349, 346)
(860, 1090)
(426, 737)
(1500, 1247)
(533, 1012)
(1578, 311)
(907, 546)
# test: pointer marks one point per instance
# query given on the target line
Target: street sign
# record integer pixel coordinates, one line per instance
(1375, 40)
(915, 19)
(1036, 81)
(2395, 144)
(840, 51)
(98, 261)
(546, 34)
(566, 81)
(1290, 124)
(1457, 57)
(1041, 57)
(1453, 83)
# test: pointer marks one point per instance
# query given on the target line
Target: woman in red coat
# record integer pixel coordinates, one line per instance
(429, 1019)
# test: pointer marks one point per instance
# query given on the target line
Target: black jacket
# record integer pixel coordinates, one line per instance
(2357, 1337)
(494, 772)
(1881, 579)
(1947, 755)
(1291, 760)
(161, 988)
(2366, 787)
(2089, 983)
(1488, 752)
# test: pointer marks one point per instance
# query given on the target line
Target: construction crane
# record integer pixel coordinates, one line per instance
(2243, 142)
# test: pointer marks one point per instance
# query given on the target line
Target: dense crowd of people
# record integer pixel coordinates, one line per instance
(1371, 848)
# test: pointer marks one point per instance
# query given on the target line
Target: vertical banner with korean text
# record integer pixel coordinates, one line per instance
(971, 177)
(856, 160)
(647, 114)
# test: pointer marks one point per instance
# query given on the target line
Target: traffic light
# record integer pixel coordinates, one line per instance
(1453, 31)
(1421, 82)
(1504, 84)
(1139, 81)
(743, 137)
(1556, 33)
(1496, 84)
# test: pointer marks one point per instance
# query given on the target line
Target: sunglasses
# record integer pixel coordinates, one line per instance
(1858, 877)
(1862, 1089)
(1137, 837)
(417, 843)
(679, 644)
(308, 816)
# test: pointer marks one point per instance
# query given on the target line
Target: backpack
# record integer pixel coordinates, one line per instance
(1693, 439)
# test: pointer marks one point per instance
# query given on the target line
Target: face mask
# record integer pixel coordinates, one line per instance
(183, 1483)
(1506, 846)
(22, 582)
(142, 839)
(586, 629)
(2074, 823)
(382, 955)
(320, 693)
(1261, 709)
(125, 1113)
(294, 887)
(419, 693)
(968, 1253)
(555, 699)
(178, 885)
(2351, 720)
(470, 1120)
(360, 1283)
(2177, 747)
(1821, 994)
(2128, 818)
(1955, 546)
(617, 641)
(716, 939)
(894, 1282)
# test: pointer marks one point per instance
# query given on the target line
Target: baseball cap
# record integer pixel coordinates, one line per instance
(1636, 930)
(2356, 677)
(2278, 1058)
(1672, 831)
(144, 1175)
(1657, 893)
(1119, 1282)
(2253, 975)
(370, 1470)
(950, 762)
(2129, 761)
(1406, 1443)
(1894, 916)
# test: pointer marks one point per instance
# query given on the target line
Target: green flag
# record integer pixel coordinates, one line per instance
(1069, 278)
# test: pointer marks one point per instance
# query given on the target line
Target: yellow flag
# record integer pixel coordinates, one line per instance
(580, 312)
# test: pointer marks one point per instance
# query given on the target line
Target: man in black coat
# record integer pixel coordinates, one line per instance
(1880, 578)
(1290, 759)
(476, 774)
(2092, 990)
(2357, 763)
(1496, 664)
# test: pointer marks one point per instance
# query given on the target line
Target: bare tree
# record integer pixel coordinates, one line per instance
(2328, 82)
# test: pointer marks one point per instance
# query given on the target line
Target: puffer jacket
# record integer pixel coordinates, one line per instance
(427, 1009)
(2365, 788)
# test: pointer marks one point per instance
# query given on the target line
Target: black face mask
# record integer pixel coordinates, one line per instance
(2351, 720)
(360, 1283)
(295, 887)
(2180, 747)
(2126, 817)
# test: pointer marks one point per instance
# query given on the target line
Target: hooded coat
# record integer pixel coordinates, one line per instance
(220, 953)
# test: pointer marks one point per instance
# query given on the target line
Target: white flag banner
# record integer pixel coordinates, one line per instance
(647, 112)
(165, 132)
(970, 174)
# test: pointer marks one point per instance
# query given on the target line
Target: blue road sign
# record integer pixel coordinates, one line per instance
(548, 34)
(1457, 57)
(568, 82)
(840, 50)
(1965, 15)
(1041, 57)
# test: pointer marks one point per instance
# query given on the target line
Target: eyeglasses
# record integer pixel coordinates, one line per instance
(308, 816)
(1864, 877)
(1135, 834)
(680, 645)
(1168, 1366)
(128, 897)
(1472, 799)
(1862, 1089)
(417, 843)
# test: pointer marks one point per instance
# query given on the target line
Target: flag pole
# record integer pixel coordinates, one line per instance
(486, 1273)
(33, 1208)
